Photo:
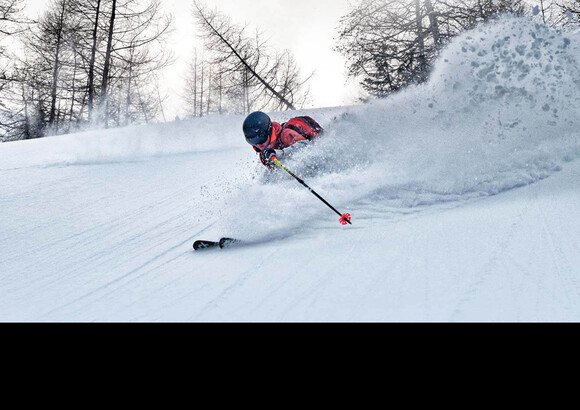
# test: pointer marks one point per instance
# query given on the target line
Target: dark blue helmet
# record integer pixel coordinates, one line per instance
(257, 128)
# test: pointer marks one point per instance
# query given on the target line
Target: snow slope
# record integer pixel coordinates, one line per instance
(99, 226)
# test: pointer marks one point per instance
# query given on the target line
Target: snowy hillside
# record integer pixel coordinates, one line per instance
(464, 195)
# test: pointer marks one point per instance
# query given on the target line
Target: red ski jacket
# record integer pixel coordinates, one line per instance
(286, 134)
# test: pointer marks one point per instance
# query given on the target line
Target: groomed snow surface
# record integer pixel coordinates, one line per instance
(464, 194)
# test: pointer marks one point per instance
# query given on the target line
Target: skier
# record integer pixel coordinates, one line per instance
(269, 138)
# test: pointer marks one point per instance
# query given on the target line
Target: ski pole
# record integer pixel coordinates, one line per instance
(344, 218)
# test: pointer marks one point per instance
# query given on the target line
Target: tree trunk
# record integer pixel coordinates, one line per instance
(208, 92)
(420, 39)
(128, 102)
(74, 90)
(433, 23)
(26, 114)
(107, 67)
(91, 87)
(244, 62)
(56, 67)
(195, 85)
(201, 93)
(220, 94)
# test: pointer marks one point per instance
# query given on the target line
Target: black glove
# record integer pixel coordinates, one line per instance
(267, 154)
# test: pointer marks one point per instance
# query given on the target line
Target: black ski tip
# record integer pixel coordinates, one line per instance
(199, 245)
(226, 242)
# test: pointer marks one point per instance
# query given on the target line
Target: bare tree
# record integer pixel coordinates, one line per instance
(134, 51)
(253, 73)
(89, 63)
(390, 44)
(91, 86)
(87, 43)
(201, 83)
(107, 65)
(119, 44)
(12, 22)
(51, 49)
(55, 25)
(191, 87)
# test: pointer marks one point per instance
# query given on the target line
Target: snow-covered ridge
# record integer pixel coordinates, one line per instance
(120, 144)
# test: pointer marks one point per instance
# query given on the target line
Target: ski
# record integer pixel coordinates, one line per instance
(222, 243)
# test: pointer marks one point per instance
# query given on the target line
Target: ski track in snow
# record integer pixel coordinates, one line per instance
(139, 265)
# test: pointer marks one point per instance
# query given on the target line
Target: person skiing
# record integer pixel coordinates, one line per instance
(269, 138)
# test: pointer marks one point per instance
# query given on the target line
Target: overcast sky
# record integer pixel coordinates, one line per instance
(306, 27)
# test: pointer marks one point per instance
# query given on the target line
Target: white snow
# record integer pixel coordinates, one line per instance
(464, 194)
